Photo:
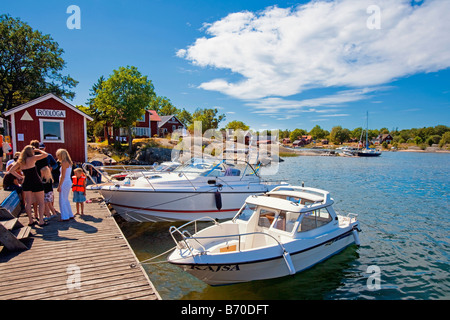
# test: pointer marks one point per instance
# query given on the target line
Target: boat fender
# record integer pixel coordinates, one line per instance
(289, 263)
(356, 237)
(218, 198)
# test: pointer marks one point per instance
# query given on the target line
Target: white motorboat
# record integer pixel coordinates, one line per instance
(280, 233)
(198, 188)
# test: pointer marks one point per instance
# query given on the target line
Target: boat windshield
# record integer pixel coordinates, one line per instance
(246, 212)
(269, 218)
(215, 168)
(167, 167)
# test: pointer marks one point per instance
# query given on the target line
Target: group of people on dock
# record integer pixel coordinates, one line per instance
(29, 173)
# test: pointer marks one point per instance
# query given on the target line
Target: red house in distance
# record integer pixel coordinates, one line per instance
(146, 127)
(51, 120)
(168, 124)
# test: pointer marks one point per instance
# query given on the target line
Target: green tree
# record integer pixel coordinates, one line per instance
(235, 125)
(284, 134)
(163, 106)
(99, 116)
(339, 135)
(356, 133)
(30, 64)
(317, 132)
(441, 129)
(434, 139)
(91, 126)
(373, 133)
(296, 134)
(209, 118)
(124, 97)
(445, 139)
(418, 140)
(185, 117)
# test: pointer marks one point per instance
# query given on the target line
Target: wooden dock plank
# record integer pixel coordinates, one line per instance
(94, 243)
(50, 274)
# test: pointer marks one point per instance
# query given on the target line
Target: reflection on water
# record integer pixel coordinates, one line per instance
(403, 204)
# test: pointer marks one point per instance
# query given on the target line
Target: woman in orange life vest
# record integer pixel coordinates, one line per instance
(79, 189)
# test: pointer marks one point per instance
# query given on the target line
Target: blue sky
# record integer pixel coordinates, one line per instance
(271, 64)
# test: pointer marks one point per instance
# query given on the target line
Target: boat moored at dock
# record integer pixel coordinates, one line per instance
(280, 233)
(197, 188)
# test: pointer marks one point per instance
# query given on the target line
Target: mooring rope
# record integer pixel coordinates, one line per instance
(159, 255)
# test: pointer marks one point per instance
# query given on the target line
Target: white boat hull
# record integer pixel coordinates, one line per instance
(230, 272)
(154, 206)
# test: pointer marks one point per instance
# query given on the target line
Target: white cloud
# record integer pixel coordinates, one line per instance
(280, 52)
(276, 105)
(335, 115)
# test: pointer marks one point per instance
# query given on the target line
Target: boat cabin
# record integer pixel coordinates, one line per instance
(287, 212)
(281, 232)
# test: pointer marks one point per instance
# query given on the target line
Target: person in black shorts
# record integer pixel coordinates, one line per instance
(1, 159)
(32, 184)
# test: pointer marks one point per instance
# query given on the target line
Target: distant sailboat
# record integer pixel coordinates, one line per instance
(367, 152)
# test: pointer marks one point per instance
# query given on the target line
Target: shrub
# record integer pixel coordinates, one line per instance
(434, 139)
(445, 139)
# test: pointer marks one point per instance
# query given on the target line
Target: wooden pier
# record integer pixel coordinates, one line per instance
(85, 258)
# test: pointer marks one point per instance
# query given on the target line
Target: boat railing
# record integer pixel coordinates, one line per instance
(352, 216)
(107, 172)
(183, 233)
(181, 173)
(97, 169)
(186, 236)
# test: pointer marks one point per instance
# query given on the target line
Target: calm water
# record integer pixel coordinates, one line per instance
(403, 204)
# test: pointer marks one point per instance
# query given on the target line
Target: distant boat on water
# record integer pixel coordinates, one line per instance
(367, 152)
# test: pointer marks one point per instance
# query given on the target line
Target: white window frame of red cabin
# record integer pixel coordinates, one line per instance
(41, 129)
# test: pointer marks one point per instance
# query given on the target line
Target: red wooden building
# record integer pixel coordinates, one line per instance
(146, 127)
(51, 120)
(169, 124)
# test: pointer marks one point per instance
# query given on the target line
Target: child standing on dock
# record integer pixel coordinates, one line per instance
(47, 181)
(79, 189)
